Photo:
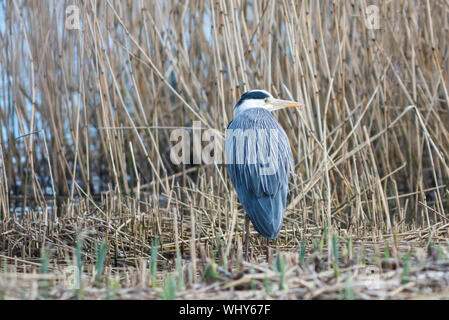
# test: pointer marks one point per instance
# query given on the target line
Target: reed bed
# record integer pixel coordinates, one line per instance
(86, 178)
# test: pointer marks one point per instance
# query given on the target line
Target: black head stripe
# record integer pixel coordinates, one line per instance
(252, 95)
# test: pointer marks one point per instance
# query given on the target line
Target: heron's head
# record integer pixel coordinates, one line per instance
(262, 99)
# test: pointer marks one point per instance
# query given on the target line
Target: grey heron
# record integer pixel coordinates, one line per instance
(258, 161)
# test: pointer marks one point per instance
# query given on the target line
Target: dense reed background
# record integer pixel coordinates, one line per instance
(86, 117)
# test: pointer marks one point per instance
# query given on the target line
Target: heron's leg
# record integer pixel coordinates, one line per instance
(268, 250)
(245, 257)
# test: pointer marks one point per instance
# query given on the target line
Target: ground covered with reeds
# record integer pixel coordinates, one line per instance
(92, 205)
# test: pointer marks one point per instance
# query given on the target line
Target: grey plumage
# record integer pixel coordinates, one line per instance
(262, 192)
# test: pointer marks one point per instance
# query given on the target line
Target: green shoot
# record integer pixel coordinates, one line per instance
(169, 289)
(153, 262)
(100, 255)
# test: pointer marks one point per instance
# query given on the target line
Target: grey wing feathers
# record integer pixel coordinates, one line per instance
(261, 183)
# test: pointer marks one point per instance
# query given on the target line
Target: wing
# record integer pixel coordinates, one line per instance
(258, 160)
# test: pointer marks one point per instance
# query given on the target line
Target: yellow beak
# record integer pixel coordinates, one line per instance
(277, 104)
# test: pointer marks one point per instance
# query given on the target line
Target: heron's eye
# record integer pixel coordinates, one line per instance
(266, 100)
